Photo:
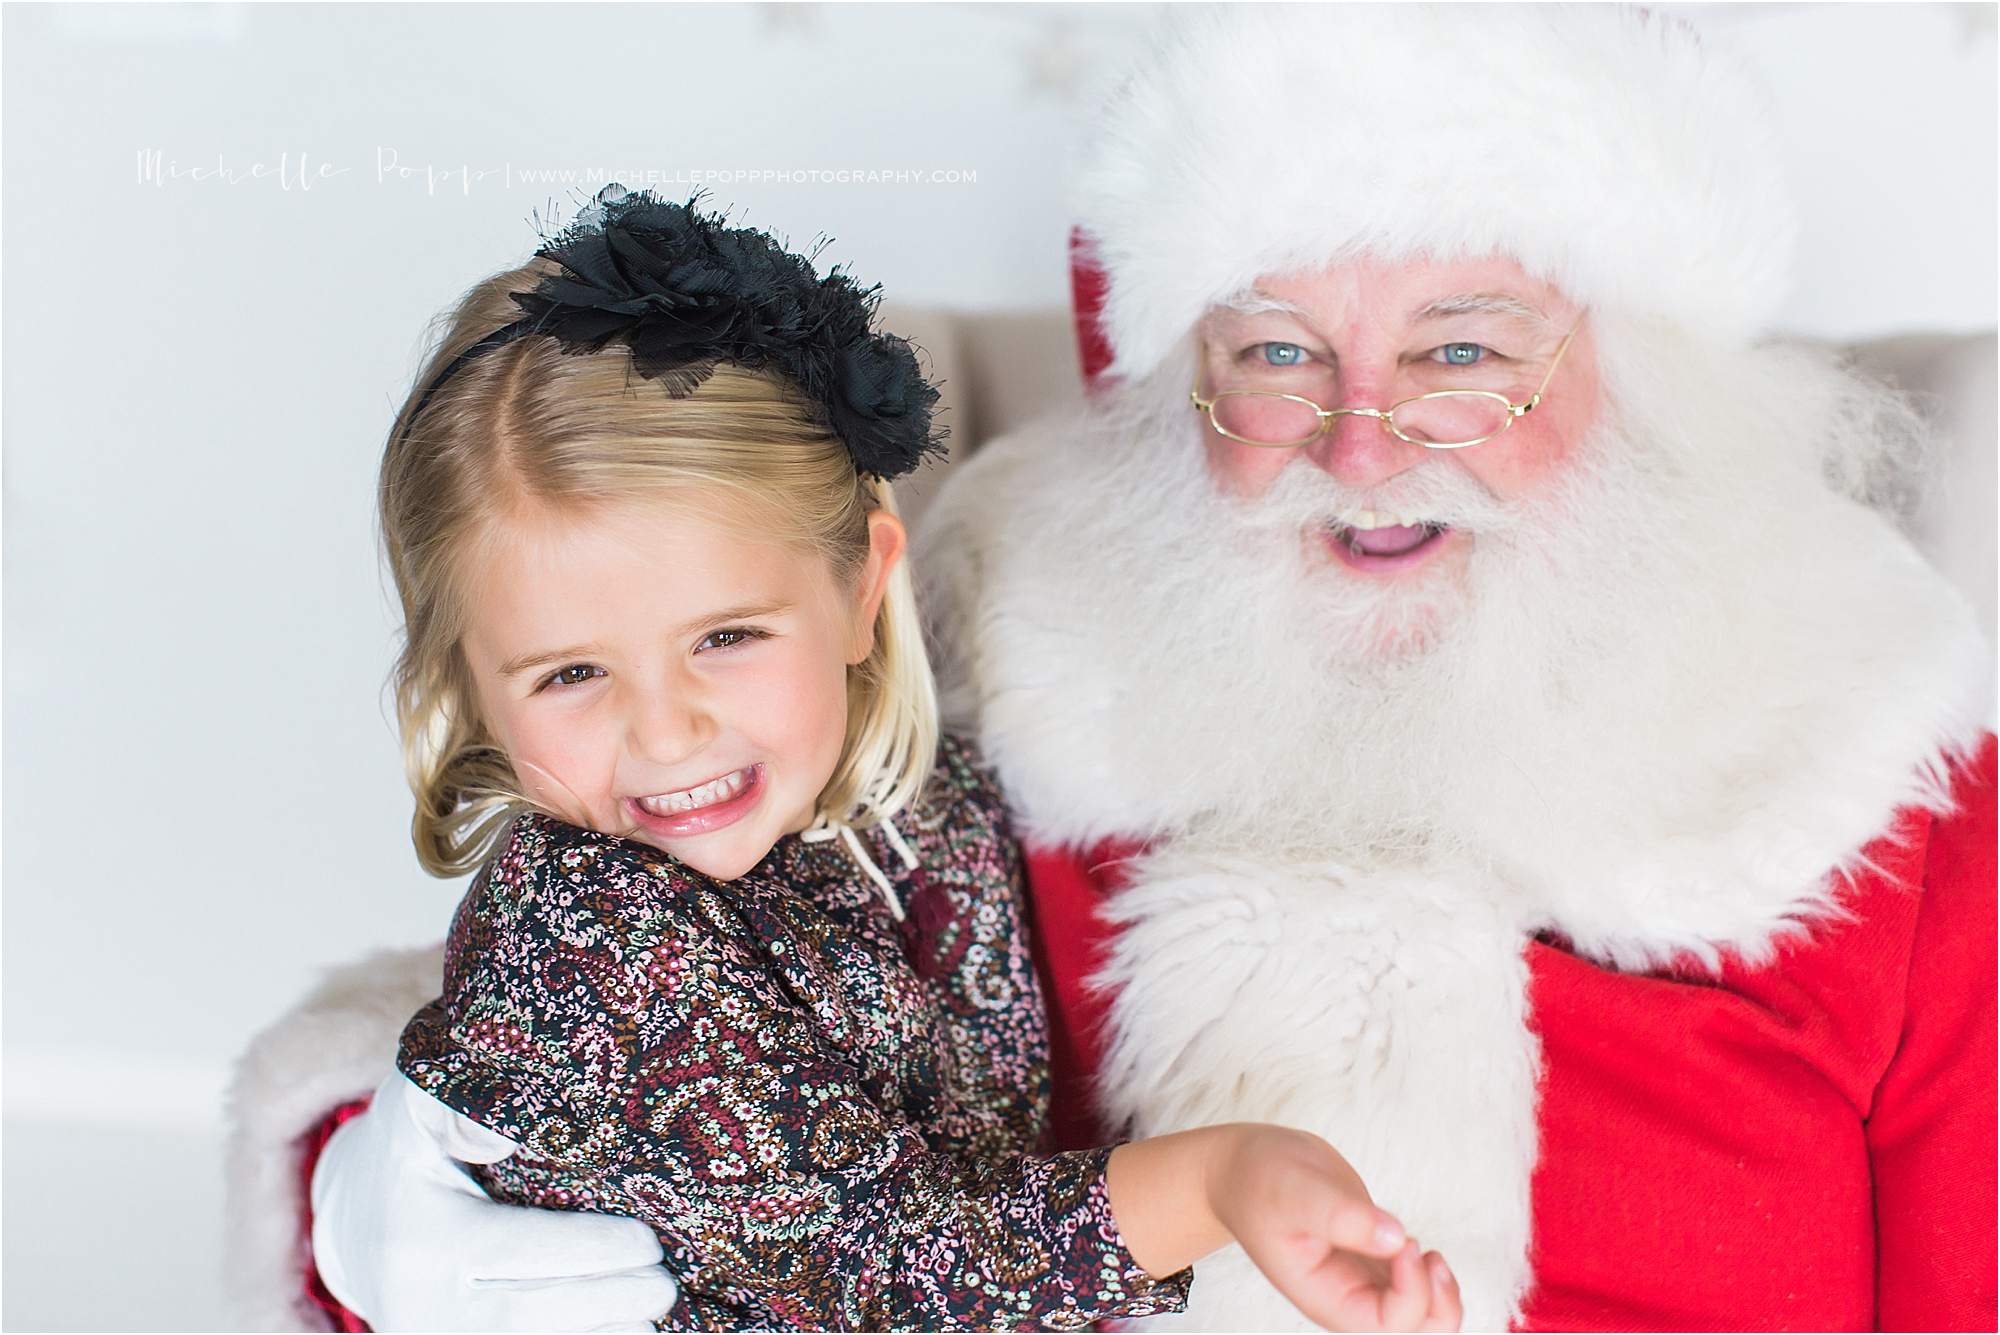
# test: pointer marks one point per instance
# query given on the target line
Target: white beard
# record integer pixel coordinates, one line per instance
(1670, 695)
(1667, 700)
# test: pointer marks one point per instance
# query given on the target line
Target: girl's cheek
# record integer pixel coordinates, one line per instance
(800, 706)
(566, 769)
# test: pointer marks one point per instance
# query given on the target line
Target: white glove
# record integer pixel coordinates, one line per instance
(407, 1240)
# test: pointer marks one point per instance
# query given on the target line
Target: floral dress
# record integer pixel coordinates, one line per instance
(828, 1114)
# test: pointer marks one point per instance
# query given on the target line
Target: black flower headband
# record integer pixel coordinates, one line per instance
(686, 292)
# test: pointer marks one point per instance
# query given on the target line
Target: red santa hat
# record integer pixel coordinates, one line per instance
(1603, 148)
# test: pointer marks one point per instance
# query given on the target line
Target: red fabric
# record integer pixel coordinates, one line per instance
(1087, 289)
(310, 1146)
(1932, 1130)
(1066, 888)
(1803, 1146)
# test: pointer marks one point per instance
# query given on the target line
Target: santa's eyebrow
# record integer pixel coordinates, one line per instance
(1256, 303)
(1442, 308)
(1477, 303)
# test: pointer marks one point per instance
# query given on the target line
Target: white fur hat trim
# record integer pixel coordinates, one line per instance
(1603, 148)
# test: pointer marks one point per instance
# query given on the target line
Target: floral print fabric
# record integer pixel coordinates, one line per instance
(828, 1115)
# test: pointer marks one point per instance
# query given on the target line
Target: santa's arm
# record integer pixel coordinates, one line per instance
(301, 1090)
(1931, 1129)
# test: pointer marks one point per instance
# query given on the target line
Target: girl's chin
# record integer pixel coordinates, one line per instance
(715, 864)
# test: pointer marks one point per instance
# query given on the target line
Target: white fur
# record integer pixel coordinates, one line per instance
(1765, 671)
(1383, 1011)
(1603, 147)
(334, 1046)
(1677, 697)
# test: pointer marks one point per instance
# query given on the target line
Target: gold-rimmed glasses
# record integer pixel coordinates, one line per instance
(1444, 419)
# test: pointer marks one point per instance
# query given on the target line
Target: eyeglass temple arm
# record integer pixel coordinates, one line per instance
(1550, 374)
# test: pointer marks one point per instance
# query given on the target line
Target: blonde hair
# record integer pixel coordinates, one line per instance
(530, 424)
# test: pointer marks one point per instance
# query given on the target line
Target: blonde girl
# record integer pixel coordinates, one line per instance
(745, 956)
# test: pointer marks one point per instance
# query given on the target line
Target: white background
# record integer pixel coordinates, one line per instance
(203, 801)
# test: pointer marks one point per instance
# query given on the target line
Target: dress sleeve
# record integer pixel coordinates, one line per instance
(1931, 1129)
(634, 1037)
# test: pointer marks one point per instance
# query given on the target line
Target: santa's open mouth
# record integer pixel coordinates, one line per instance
(1375, 541)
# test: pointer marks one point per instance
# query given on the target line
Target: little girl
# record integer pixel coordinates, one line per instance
(745, 956)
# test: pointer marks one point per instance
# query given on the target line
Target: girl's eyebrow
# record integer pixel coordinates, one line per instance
(741, 612)
(520, 663)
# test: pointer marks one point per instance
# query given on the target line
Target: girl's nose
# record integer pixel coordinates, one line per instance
(666, 727)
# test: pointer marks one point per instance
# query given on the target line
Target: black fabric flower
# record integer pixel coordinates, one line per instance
(686, 291)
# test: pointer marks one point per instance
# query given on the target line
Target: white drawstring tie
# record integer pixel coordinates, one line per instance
(823, 830)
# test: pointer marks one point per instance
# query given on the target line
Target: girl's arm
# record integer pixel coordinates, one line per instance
(1296, 1207)
(634, 1037)
(646, 1048)
(787, 1197)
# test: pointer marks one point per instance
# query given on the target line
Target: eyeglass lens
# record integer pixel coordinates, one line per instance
(1446, 420)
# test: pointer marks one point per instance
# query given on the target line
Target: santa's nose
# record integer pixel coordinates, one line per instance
(1360, 451)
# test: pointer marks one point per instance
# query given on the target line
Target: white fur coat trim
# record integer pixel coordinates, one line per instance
(1603, 147)
(335, 1045)
(1386, 1013)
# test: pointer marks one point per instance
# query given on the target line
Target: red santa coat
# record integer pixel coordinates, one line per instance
(1806, 1145)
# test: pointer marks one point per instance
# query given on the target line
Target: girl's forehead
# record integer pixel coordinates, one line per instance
(641, 560)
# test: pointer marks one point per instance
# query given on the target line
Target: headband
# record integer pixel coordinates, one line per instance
(686, 292)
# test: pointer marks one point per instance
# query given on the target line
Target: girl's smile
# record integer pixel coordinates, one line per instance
(699, 810)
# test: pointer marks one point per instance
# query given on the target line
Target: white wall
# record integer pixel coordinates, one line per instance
(203, 800)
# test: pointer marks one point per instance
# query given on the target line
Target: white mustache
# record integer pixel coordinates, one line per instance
(1440, 493)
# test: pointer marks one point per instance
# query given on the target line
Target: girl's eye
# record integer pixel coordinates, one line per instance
(1282, 354)
(573, 675)
(729, 638)
(1459, 354)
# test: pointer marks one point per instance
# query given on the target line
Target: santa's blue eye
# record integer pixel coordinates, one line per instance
(1461, 354)
(1283, 354)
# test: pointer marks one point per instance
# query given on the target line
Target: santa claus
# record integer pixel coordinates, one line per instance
(1464, 695)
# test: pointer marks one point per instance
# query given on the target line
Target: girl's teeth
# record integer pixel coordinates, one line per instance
(692, 799)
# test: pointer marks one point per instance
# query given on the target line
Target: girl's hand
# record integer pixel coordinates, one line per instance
(1302, 1214)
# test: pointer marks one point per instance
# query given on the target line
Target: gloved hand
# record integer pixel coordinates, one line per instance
(408, 1241)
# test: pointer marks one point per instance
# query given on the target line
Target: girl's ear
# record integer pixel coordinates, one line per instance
(887, 540)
